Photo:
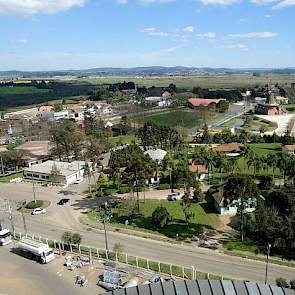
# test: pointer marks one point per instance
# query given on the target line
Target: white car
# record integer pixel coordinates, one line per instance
(79, 180)
(38, 211)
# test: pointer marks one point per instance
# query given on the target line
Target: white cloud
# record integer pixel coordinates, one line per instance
(188, 29)
(31, 7)
(242, 47)
(251, 35)
(219, 2)
(207, 35)
(284, 3)
(124, 2)
(154, 32)
(156, 1)
(22, 41)
(263, 2)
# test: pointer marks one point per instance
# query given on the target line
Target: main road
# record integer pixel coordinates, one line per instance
(59, 219)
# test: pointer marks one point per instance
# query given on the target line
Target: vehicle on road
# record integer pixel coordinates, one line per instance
(79, 180)
(38, 211)
(174, 196)
(5, 237)
(63, 201)
(34, 250)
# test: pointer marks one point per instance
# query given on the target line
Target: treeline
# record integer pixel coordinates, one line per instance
(233, 95)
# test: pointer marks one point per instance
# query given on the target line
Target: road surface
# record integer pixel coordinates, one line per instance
(62, 218)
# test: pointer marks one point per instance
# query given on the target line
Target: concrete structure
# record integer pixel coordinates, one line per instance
(204, 287)
(157, 155)
(202, 103)
(39, 151)
(65, 173)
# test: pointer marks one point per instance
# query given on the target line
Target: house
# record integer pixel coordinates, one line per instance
(232, 149)
(65, 173)
(62, 115)
(203, 103)
(166, 95)
(197, 167)
(39, 151)
(157, 155)
(225, 206)
(158, 101)
(290, 149)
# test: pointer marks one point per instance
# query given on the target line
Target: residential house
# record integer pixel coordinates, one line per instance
(199, 169)
(65, 173)
(158, 101)
(232, 149)
(203, 103)
(225, 206)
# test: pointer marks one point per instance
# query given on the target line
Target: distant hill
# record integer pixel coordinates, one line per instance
(142, 71)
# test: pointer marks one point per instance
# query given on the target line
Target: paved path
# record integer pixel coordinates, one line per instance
(62, 218)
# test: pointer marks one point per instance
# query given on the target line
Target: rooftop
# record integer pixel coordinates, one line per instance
(156, 154)
(198, 102)
(232, 147)
(65, 168)
(205, 287)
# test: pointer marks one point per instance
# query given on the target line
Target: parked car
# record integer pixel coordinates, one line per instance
(63, 201)
(78, 181)
(173, 197)
(38, 211)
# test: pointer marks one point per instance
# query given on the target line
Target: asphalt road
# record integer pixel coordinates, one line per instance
(61, 218)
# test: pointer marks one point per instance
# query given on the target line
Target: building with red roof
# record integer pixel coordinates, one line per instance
(204, 103)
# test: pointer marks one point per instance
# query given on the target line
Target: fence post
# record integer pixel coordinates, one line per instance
(80, 249)
(54, 243)
(71, 248)
(14, 234)
(97, 253)
(136, 261)
(196, 274)
(107, 254)
(40, 239)
(147, 264)
(47, 242)
(20, 235)
(116, 256)
(59, 248)
(193, 273)
(126, 258)
(183, 274)
(90, 258)
(159, 266)
(208, 276)
(171, 272)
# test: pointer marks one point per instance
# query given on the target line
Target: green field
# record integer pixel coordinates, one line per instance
(186, 118)
(207, 81)
(21, 90)
(124, 139)
(264, 149)
(204, 219)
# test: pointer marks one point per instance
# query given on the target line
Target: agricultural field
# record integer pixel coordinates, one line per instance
(21, 90)
(204, 219)
(226, 81)
(186, 118)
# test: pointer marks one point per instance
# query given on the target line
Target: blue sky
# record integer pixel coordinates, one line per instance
(77, 34)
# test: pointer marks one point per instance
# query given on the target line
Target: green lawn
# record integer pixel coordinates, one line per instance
(264, 149)
(21, 90)
(236, 244)
(125, 139)
(204, 219)
(6, 179)
(290, 108)
(229, 123)
(186, 118)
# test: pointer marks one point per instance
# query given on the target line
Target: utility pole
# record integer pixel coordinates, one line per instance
(104, 226)
(34, 192)
(11, 216)
(267, 258)
(2, 168)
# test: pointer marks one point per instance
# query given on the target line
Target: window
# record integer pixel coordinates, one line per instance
(36, 176)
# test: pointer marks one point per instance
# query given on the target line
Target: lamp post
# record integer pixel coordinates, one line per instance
(267, 258)
(104, 226)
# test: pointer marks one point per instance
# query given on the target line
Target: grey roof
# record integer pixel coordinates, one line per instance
(205, 287)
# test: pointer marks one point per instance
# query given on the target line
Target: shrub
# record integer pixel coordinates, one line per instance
(33, 205)
(161, 217)
(281, 282)
(124, 189)
(163, 186)
(76, 239)
(110, 192)
(67, 237)
(118, 248)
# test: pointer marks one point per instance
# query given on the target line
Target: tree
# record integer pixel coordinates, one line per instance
(118, 248)
(161, 217)
(54, 174)
(198, 195)
(88, 173)
(66, 237)
(76, 239)
(57, 107)
(242, 188)
(222, 106)
(188, 213)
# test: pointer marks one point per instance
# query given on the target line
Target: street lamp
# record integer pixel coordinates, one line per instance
(267, 257)
(104, 226)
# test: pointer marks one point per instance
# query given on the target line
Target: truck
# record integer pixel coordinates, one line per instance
(35, 250)
(5, 237)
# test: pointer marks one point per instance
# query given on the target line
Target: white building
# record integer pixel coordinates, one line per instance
(65, 173)
(157, 155)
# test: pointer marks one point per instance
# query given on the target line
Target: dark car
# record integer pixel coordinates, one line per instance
(63, 201)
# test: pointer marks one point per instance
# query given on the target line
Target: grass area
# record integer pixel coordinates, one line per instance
(226, 81)
(39, 204)
(124, 139)
(258, 123)
(290, 108)
(21, 90)
(186, 118)
(264, 149)
(204, 219)
(6, 179)
(229, 123)
(236, 244)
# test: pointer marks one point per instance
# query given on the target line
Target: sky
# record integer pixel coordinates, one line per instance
(81, 34)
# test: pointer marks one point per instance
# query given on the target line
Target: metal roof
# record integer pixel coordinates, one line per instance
(205, 287)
